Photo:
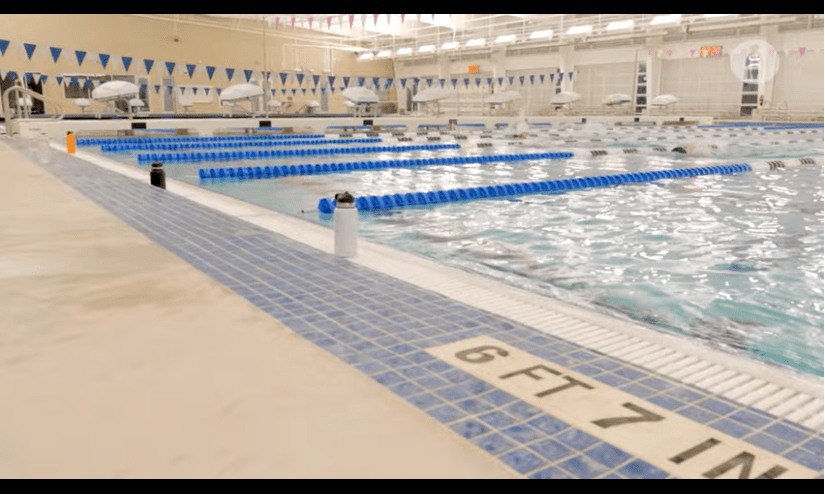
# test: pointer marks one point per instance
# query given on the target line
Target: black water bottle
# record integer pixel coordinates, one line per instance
(158, 175)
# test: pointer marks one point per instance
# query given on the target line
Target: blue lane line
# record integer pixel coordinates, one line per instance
(161, 146)
(192, 139)
(766, 126)
(333, 168)
(397, 201)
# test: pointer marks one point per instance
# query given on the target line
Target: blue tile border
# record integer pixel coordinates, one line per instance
(385, 327)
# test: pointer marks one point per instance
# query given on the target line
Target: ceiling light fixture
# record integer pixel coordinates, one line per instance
(580, 30)
(665, 19)
(615, 26)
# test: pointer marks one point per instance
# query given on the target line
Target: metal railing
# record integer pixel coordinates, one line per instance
(12, 119)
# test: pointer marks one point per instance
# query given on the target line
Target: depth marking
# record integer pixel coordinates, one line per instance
(664, 439)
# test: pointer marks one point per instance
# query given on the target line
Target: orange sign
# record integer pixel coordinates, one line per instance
(474, 69)
(710, 51)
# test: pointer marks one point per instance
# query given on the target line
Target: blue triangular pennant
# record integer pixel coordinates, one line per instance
(210, 71)
(532, 80)
(30, 47)
(489, 81)
(300, 79)
(541, 78)
(157, 88)
(313, 91)
(43, 78)
(376, 82)
(332, 82)
(442, 82)
(551, 77)
(570, 76)
(512, 80)
(55, 53)
(170, 66)
(12, 75)
(190, 68)
(501, 81)
(127, 62)
(283, 91)
(466, 83)
(144, 88)
(195, 91)
(80, 56)
(218, 90)
(206, 90)
(4, 44)
(478, 81)
(182, 90)
(361, 81)
(229, 74)
(403, 83)
(59, 80)
(28, 77)
(316, 79)
(148, 64)
(89, 84)
(304, 90)
(73, 81)
(346, 82)
(283, 76)
(104, 59)
(294, 91)
(521, 80)
(332, 89)
(454, 82)
(248, 74)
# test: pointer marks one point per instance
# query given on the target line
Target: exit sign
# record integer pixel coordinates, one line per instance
(474, 69)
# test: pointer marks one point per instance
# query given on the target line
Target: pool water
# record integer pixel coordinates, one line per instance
(734, 261)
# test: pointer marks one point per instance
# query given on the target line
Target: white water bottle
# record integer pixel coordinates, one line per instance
(346, 226)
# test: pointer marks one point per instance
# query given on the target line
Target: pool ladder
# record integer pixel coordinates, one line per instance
(12, 127)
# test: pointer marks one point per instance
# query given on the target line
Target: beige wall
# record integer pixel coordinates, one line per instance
(234, 46)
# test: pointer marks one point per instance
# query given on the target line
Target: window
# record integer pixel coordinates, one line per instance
(749, 99)
(641, 89)
(81, 86)
(76, 86)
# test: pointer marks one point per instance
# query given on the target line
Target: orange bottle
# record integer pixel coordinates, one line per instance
(71, 144)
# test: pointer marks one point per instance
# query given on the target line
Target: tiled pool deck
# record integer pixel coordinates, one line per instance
(384, 327)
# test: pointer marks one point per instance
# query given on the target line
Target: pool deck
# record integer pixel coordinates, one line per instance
(241, 352)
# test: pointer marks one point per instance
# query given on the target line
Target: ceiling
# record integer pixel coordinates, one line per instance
(391, 32)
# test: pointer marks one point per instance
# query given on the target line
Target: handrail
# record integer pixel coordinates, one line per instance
(10, 124)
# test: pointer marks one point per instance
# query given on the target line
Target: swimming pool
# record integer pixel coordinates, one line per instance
(735, 261)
